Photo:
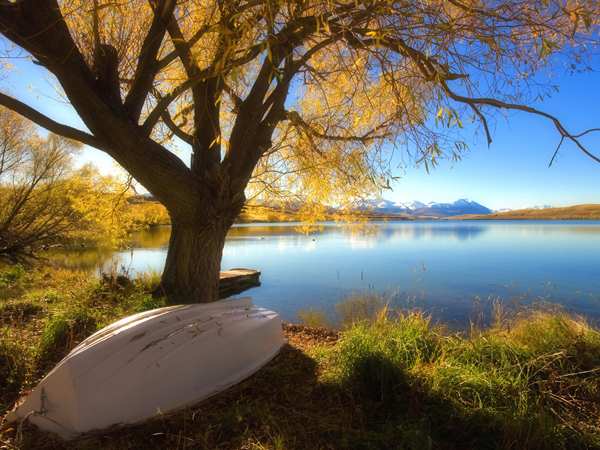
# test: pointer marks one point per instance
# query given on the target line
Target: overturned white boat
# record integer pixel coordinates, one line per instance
(151, 363)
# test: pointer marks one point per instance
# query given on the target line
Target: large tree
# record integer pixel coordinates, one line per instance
(306, 97)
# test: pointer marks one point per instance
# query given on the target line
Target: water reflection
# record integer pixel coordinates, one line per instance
(155, 237)
(158, 237)
(427, 231)
(81, 259)
(440, 266)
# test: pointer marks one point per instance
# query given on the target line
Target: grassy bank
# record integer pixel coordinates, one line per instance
(390, 380)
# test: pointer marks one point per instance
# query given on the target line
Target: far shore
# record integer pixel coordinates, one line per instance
(577, 212)
(268, 214)
(261, 215)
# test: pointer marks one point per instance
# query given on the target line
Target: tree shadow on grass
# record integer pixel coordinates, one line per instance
(286, 406)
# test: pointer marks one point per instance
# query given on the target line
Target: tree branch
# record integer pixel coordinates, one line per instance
(46, 122)
(365, 138)
(518, 107)
(483, 121)
(147, 66)
(168, 121)
(173, 55)
(237, 101)
(165, 101)
(438, 73)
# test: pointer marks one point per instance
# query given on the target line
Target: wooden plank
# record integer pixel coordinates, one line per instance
(234, 281)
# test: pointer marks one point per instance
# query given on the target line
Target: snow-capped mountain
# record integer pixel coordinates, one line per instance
(383, 206)
(431, 209)
(457, 208)
(414, 205)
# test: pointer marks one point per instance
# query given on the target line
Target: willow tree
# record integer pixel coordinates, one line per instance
(286, 97)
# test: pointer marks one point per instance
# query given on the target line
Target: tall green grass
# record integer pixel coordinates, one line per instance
(13, 368)
(11, 274)
(532, 383)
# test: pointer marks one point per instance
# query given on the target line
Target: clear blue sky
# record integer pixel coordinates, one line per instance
(512, 173)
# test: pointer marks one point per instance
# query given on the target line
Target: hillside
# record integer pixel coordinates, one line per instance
(577, 212)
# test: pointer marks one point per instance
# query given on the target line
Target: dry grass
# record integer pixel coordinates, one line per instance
(577, 212)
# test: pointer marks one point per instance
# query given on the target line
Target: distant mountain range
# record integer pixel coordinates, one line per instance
(384, 207)
(432, 209)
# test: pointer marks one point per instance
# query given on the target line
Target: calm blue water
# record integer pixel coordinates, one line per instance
(440, 266)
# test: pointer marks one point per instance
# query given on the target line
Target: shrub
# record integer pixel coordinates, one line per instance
(14, 312)
(63, 332)
(313, 318)
(144, 302)
(12, 370)
(10, 275)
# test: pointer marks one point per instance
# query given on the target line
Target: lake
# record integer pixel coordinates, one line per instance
(452, 269)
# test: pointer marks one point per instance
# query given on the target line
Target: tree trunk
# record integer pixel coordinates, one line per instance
(192, 269)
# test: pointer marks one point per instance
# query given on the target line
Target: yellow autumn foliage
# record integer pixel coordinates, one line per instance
(377, 74)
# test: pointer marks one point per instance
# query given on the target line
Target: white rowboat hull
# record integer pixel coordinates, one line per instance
(151, 363)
